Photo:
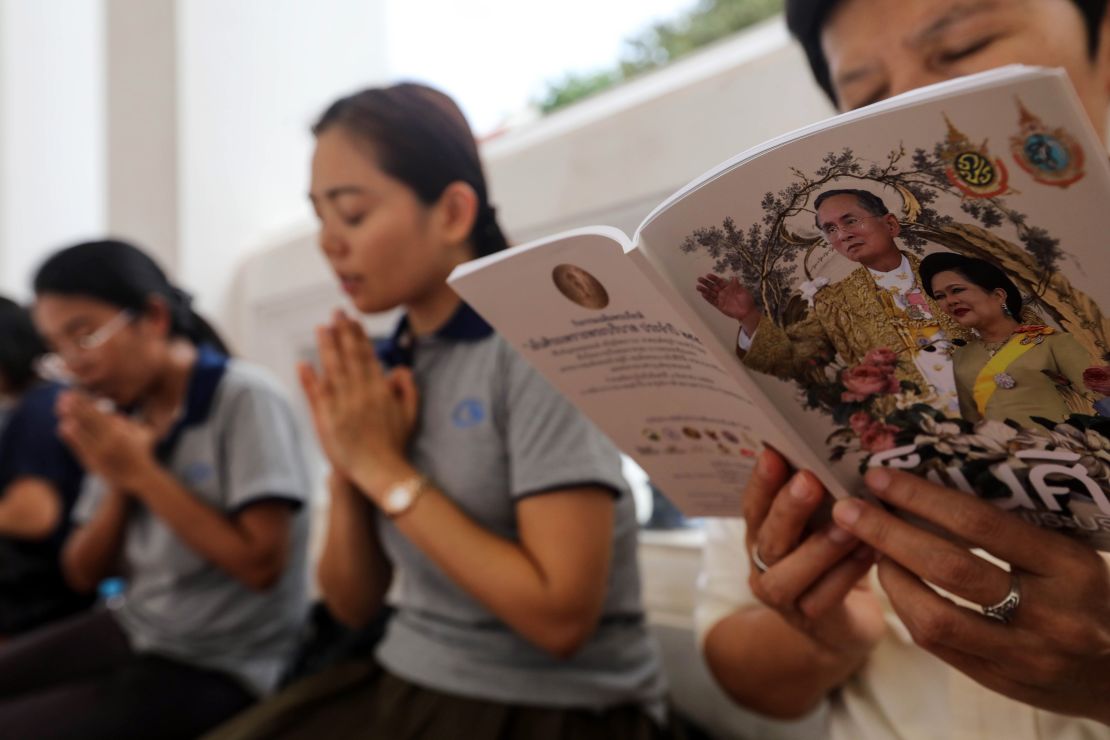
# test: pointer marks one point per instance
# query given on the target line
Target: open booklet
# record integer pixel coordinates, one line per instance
(791, 296)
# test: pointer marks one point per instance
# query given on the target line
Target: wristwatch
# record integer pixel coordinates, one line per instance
(400, 497)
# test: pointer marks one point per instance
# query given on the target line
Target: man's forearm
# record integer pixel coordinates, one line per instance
(767, 666)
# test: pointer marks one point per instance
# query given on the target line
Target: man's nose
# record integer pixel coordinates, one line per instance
(914, 76)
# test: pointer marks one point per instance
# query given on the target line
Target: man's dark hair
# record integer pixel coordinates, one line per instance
(867, 200)
(20, 346)
(805, 18)
(987, 276)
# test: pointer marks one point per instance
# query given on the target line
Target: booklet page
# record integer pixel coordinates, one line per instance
(584, 313)
(942, 310)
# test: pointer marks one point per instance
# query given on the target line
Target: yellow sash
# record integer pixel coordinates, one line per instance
(985, 384)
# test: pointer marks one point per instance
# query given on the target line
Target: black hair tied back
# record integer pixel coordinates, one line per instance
(419, 136)
(122, 275)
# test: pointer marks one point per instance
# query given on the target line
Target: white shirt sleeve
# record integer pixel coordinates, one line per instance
(723, 582)
(743, 341)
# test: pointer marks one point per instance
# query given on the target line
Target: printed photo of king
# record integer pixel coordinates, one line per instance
(880, 304)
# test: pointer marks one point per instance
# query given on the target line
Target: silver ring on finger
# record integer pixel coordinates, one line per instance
(1004, 610)
(757, 561)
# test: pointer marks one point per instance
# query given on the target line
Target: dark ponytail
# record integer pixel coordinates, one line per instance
(20, 347)
(122, 275)
(420, 137)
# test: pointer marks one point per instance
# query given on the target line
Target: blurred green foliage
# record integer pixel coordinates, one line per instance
(707, 21)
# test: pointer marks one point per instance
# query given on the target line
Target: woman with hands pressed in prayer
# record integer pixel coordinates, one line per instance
(456, 469)
(194, 493)
(792, 614)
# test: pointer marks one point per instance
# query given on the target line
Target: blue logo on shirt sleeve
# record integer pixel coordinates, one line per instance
(197, 474)
(468, 412)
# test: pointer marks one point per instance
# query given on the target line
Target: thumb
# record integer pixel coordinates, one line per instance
(403, 383)
(313, 392)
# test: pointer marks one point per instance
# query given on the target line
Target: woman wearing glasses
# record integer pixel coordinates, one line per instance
(39, 482)
(194, 496)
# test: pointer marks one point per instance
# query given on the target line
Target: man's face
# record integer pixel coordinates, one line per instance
(856, 234)
(879, 48)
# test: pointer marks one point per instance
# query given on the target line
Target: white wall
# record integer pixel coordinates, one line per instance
(244, 140)
(612, 158)
(52, 164)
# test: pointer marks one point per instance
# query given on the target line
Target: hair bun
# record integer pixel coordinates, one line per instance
(181, 297)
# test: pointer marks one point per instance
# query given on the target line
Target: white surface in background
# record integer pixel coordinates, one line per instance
(52, 168)
(255, 74)
(495, 55)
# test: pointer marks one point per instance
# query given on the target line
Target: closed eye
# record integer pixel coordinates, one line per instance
(955, 55)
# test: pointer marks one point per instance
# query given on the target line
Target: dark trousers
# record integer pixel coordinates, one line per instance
(359, 699)
(79, 678)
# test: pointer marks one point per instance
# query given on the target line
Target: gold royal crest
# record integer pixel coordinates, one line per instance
(971, 168)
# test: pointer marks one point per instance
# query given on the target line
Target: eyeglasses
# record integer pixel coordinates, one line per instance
(54, 365)
(848, 223)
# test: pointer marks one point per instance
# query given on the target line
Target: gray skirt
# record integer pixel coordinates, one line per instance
(360, 699)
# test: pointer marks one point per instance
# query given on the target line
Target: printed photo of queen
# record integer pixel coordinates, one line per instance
(1007, 369)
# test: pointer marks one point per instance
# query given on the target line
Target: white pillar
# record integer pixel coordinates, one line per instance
(52, 160)
(180, 125)
(141, 120)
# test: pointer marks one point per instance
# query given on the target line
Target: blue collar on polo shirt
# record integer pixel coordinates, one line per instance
(207, 373)
(465, 325)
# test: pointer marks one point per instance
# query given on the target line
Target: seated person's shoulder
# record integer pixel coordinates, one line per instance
(34, 417)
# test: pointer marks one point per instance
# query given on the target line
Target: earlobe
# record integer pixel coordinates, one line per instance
(157, 315)
(458, 207)
(893, 225)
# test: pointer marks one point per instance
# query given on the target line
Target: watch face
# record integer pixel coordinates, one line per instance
(398, 498)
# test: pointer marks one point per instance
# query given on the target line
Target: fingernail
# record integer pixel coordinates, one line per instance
(847, 512)
(799, 489)
(878, 479)
(840, 536)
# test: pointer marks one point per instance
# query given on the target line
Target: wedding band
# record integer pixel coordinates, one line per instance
(758, 561)
(1004, 610)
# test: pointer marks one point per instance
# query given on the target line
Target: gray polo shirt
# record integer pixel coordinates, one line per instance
(238, 443)
(492, 431)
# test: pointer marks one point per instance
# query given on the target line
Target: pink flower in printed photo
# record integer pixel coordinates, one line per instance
(878, 437)
(860, 422)
(882, 357)
(863, 381)
(1097, 379)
